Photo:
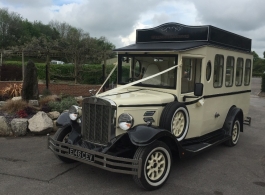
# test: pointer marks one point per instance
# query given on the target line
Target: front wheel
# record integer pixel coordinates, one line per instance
(235, 132)
(62, 135)
(156, 164)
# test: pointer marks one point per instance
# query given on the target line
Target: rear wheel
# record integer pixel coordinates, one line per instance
(62, 135)
(235, 132)
(156, 164)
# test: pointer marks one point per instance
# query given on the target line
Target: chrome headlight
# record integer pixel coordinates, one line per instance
(125, 121)
(75, 112)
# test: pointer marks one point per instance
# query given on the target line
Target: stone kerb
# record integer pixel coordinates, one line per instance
(5, 129)
(19, 126)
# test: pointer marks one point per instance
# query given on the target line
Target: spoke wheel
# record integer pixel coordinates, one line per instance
(175, 118)
(235, 132)
(178, 124)
(156, 164)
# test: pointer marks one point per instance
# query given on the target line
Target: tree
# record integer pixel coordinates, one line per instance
(255, 56)
(258, 63)
(10, 27)
(43, 45)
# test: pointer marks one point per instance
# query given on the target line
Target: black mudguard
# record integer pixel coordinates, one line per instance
(63, 120)
(143, 135)
(232, 114)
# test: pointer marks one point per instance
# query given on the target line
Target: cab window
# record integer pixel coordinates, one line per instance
(191, 73)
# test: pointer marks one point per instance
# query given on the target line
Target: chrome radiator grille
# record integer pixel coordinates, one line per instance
(97, 120)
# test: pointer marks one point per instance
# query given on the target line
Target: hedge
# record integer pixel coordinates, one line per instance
(257, 74)
(91, 74)
(263, 83)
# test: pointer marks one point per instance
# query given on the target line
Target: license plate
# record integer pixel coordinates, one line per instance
(81, 154)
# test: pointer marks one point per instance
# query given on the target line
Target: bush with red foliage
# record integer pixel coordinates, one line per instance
(22, 114)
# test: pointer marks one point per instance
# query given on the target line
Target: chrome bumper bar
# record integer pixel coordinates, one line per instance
(103, 161)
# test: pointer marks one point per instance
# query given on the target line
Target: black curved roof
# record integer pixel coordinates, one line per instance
(179, 37)
(160, 46)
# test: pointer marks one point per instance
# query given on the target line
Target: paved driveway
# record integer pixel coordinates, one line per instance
(28, 167)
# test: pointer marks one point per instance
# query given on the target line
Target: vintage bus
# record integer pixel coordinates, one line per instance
(180, 90)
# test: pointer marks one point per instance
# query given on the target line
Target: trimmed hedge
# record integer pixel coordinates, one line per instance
(11, 72)
(91, 74)
(257, 74)
(263, 83)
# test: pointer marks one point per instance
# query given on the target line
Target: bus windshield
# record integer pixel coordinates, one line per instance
(136, 67)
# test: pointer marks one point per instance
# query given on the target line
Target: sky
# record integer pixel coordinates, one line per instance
(118, 20)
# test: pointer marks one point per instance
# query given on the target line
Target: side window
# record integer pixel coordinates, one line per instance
(137, 68)
(125, 69)
(208, 70)
(218, 70)
(191, 73)
(247, 72)
(229, 72)
(239, 71)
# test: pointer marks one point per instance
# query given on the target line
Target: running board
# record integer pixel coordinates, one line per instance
(247, 121)
(195, 148)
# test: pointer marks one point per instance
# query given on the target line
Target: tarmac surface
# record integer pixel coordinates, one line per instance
(28, 167)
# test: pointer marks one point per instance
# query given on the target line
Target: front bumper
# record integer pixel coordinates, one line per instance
(101, 160)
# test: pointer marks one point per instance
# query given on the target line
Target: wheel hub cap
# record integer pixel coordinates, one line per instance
(178, 124)
(156, 164)
(235, 132)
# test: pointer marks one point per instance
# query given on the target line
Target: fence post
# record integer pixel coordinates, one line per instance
(23, 65)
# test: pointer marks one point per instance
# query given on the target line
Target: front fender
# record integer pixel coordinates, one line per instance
(63, 120)
(143, 135)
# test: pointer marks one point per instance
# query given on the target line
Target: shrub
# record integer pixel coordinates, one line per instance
(31, 110)
(64, 104)
(12, 106)
(46, 99)
(13, 90)
(46, 92)
(46, 108)
(22, 114)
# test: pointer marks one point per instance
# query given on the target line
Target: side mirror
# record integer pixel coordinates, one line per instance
(198, 89)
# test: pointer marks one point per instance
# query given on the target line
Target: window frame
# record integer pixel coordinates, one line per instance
(232, 74)
(220, 65)
(241, 80)
(247, 60)
(209, 64)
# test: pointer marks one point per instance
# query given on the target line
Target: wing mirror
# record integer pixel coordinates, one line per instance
(198, 89)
